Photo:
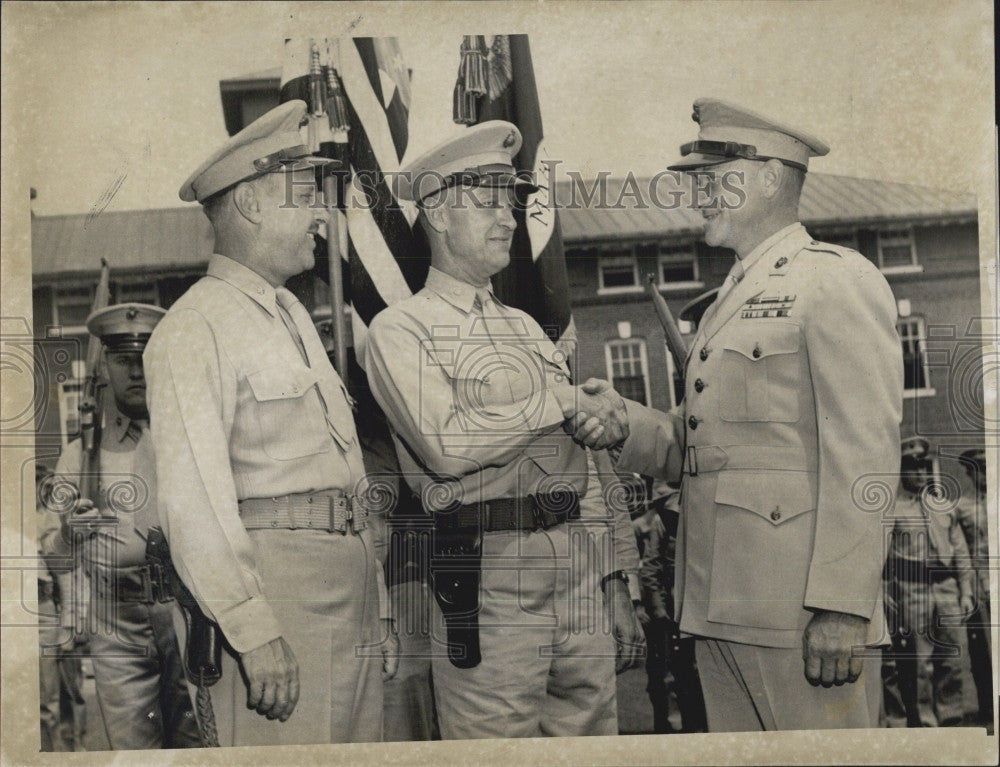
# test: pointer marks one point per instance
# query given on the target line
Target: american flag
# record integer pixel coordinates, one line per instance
(387, 257)
(501, 86)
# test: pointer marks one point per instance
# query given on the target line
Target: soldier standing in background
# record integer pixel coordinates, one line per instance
(930, 588)
(137, 666)
(972, 516)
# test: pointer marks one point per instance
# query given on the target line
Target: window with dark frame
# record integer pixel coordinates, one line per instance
(913, 337)
(678, 264)
(627, 368)
(617, 271)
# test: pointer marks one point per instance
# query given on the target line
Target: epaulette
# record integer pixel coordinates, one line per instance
(827, 247)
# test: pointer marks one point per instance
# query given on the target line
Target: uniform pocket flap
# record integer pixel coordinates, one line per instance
(777, 496)
(279, 382)
(759, 341)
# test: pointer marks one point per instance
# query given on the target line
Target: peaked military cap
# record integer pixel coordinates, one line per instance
(729, 132)
(914, 448)
(479, 156)
(124, 327)
(270, 144)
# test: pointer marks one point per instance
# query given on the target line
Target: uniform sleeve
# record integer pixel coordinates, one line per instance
(452, 436)
(65, 486)
(654, 443)
(626, 551)
(191, 396)
(856, 368)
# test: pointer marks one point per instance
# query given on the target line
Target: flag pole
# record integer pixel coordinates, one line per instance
(333, 246)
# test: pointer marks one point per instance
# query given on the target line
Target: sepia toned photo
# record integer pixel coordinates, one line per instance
(615, 384)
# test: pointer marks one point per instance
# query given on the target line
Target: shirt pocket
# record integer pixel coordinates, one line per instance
(762, 547)
(288, 412)
(760, 373)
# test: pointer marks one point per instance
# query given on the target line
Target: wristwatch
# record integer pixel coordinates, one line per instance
(619, 575)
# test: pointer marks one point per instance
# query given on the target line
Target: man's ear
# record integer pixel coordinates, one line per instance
(247, 202)
(435, 212)
(770, 178)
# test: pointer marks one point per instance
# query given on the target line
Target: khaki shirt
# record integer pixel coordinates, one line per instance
(236, 413)
(466, 393)
(127, 491)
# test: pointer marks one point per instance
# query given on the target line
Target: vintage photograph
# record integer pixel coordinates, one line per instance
(407, 375)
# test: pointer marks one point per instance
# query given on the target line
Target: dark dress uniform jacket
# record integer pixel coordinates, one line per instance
(791, 421)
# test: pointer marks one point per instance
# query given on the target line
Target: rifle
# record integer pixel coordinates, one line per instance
(673, 333)
(91, 399)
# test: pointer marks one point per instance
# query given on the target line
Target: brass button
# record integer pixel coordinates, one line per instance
(699, 385)
(782, 261)
(693, 422)
(704, 353)
(775, 515)
(757, 352)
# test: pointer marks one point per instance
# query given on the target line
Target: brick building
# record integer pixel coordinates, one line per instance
(924, 240)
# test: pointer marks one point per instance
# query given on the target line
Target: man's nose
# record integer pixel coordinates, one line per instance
(505, 217)
(135, 370)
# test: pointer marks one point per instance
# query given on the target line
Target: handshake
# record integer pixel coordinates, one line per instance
(595, 414)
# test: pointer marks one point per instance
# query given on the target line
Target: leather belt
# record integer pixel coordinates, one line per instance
(146, 584)
(536, 512)
(700, 460)
(333, 512)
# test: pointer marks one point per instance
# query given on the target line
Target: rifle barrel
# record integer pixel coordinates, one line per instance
(675, 342)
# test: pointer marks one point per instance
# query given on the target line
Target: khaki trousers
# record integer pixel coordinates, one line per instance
(749, 688)
(321, 587)
(548, 655)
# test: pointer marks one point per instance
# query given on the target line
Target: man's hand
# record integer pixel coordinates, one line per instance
(629, 639)
(390, 649)
(272, 679)
(596, 416)
(967, 605)
(83, 516)
(827, 648)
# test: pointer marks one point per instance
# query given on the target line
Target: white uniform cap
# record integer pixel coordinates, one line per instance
(729, 132)
(270, 144)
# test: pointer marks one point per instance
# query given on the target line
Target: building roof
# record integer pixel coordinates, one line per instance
(625, 209)
(163, 240)
(180, 238)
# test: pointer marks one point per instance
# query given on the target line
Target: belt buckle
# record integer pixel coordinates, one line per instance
(340, 514)
(692, 456)
(359, 514)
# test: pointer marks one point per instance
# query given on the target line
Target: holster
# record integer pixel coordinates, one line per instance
(455, 571)
(203, 648)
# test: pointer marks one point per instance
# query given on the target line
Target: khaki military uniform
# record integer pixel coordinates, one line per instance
(930, 650)
(972, 516)
(790, 425)
(470, 429)
(242, 421)
(137, 666)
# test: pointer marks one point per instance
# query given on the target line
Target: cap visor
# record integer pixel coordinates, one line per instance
(309, 162)
(694, 161)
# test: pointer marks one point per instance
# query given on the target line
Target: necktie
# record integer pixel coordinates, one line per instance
(314, 353)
